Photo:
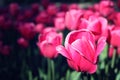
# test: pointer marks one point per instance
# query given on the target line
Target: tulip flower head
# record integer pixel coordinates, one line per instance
(81, 50)
(47, 43)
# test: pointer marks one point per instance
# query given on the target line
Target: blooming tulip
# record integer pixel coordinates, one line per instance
(72, 19)
(47, 43)
(27, 30)
(81, 50)
(59, 23)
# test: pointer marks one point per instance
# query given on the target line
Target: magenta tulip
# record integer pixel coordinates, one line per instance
(81, 50)
(72, 19)
(47, 43)
(23, 42)
(27, 30)
(59, 23)
(115, 37)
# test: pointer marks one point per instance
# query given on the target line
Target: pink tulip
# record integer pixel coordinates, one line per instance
(81, 50)
(59, 23)
(106, 7)
(98, 25)
(14, 9)
(6, 50)
(42, 17)
(72, 19)
(118, 3)
(23, 42)
(60, 14)
(27, 30)
(28, 13)
(63, 7)
(39, 28)
(116, 18)
(52, 9)
(115, 37)
(74, 6)
(48, 29)
(47, 43)
(35, 7)
(45, 3)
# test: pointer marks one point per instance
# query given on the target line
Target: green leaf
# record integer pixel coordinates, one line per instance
(36, 78)
(42, 75)
(68, 75)
(102, 65)
(75, 75)
(118, 76)
(30, 77)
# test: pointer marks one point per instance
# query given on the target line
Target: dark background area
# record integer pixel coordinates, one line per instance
(34, 1)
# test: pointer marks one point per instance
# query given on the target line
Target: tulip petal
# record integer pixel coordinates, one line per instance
(72, 64)
(47, 49)
(84, 47)
(60, 49)
(86, 66)
(100, 45)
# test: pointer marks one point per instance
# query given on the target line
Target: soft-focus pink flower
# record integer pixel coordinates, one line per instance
(118, 3)
(14, 9)
(115, 37)
(6, 50)
(28, 13)
(35, 7)
(106, 7)
(27, 30)
(48, 29)
(81, 50)
(23, 42)
(45, 3)
(47, 43)
(63, 7)
(116, 18)
(98, 25)
(42, 17)
(52, 10)
(72, 19)
(59, 23)
(39, 28)
(111, 51)
(74, 6)
(118, 50)
(60, 14)
(2, 21)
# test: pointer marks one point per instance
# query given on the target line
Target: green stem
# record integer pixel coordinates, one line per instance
(53, 70)
(113, 59)
(49, 70)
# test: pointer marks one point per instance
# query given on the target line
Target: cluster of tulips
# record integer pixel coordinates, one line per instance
(84, 36)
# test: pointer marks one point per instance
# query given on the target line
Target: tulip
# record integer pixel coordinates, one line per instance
(116, 18)
(115, 37)
(72, 19)
(64, 7)
(106, 7)
(27, 30)
(23, 42)
(39, 28)
(14, 9)
(47, 43)
(74, 6)
(59, 23)
(42, 17)
(52, 10)
(98, 25)
(6, 50)
(81, 50)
